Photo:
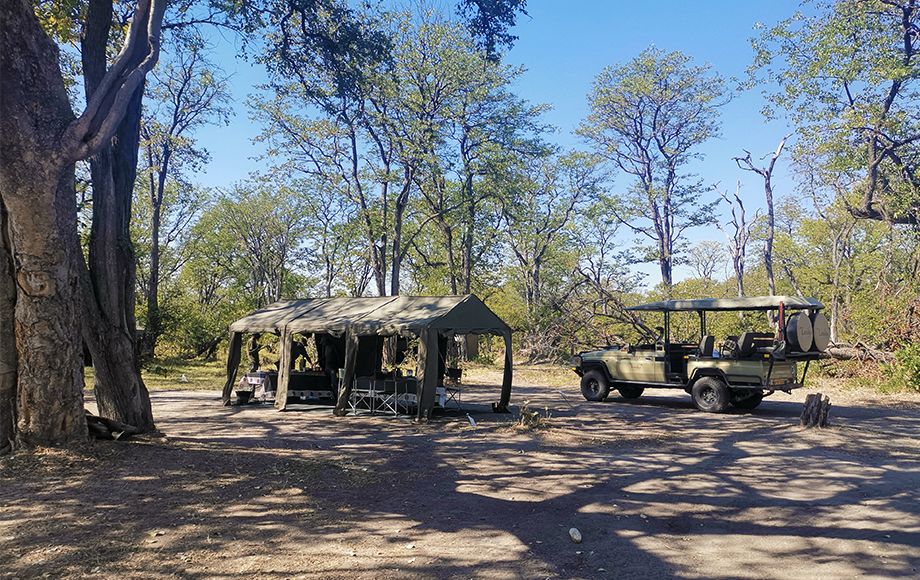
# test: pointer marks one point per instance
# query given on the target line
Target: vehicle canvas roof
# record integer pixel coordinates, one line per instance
(729, 304)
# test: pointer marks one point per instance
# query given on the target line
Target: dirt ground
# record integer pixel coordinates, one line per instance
(655, 488)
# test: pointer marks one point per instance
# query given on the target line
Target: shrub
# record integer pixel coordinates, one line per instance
(904, 372)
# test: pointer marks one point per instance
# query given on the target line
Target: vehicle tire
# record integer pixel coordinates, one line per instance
(594, 386)
(749, 402)
(630, 392)
(710, 394)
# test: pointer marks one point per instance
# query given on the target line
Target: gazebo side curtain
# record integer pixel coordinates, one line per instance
(233, 362)
(427, 371)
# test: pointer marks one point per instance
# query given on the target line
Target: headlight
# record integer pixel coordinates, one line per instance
(576, 361)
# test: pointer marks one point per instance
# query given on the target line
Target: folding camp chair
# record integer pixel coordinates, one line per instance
(364, 395)
(452, 381)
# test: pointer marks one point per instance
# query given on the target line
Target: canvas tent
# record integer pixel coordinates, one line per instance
(426, 317)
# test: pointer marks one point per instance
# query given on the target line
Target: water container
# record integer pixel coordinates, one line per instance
(821, 330)
(799, 333)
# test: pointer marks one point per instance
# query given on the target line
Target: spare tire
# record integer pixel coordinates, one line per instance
(799, 333)
(821, 330)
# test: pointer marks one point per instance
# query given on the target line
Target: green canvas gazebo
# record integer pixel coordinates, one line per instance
(426, 317)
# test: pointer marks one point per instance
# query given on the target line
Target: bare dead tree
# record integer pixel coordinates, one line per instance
(747, 164)
(738, 240)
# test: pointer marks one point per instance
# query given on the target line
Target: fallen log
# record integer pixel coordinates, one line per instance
(815, 411)
(210, 349)
(102, 428)
(860, 353)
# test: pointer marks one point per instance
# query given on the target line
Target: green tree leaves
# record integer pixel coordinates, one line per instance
(847, 74)
(648, 117)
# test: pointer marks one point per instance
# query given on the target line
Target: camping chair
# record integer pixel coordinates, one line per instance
(452, 381)
(364, 395)
(405, 394)
(387, 396)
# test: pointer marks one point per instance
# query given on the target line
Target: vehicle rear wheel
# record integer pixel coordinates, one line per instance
(630, 392)
(594, 386)
(710, 395)
(750, 402)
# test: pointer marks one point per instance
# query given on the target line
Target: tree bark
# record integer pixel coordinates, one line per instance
(7, 340)
(41, 143)
(36, 182)
(109, 322)
(109, 325)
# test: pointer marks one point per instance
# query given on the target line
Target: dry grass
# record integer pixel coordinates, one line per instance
(167, 374)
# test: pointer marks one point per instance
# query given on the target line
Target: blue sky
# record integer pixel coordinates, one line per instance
(563, 46)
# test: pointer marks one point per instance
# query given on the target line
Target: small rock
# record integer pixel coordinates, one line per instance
(575, 535)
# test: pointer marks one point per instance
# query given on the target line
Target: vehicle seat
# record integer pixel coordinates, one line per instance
(750, 342)
(707, 343)
(746, 345)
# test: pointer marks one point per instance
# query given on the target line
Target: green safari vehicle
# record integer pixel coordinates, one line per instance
(738, 371)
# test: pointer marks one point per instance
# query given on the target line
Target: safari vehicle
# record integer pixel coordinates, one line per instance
(738, 371)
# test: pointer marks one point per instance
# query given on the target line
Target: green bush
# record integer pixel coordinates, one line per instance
(904, 372)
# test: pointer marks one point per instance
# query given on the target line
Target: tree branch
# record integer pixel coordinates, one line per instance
(106, 108)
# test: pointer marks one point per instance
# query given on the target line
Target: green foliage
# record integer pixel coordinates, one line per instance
(489, 21)
(904, 372)
(846, 74)
(648, 117)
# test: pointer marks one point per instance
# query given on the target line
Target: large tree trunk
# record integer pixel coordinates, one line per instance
(109, 323)
(37, 189)
(7, 339)
(41, 142)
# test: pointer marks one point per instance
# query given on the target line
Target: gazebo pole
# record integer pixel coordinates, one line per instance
(284, 370)
(235, 346)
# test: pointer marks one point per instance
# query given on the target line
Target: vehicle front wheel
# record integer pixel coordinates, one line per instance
(710, 395)
(594, 386)
(630, 392)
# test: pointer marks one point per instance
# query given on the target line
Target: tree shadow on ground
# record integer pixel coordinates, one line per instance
(657, 490)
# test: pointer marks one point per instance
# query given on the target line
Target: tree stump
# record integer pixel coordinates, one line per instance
(815, 412)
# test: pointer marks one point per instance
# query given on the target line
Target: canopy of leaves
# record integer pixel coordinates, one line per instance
(847, 74)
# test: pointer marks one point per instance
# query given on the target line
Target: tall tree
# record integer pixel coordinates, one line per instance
(847, 76)
(463, 129)
(109, 326)
(648, 117)
(319, 120)
(186, 93)
(42, 142)
(267, 226)
(550, 192)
